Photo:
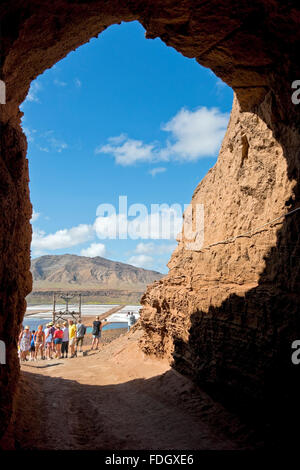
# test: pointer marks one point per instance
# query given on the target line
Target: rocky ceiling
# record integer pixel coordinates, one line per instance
(226, 315)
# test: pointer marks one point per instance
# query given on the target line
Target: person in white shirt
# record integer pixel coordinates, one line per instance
(48, 340)
(65, 340)
(131, 320)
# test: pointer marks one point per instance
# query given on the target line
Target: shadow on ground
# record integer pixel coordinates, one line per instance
(165, 412)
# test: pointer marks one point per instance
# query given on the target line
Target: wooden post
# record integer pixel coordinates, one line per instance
(80, 307)
(54, 305)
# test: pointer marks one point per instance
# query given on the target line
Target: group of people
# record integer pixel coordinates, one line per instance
(60, 339)
(56, 340)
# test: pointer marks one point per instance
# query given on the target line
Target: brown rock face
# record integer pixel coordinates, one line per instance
(228, 313)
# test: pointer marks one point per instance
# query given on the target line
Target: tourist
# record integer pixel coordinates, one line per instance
(72, 337)
(25, 340)
(96, 332)
(81, 330)
(19, 349)
(57, 338)
(32, 346)
(39, 342)
(131, 320)
(52, 330)
(48, 340)
(65, 341)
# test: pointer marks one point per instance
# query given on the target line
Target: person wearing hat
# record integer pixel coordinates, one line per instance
(52, 329)
(32, 346)
(57, 338)
(72, 337)
(65, 341)
(25, 340)
(48, 341)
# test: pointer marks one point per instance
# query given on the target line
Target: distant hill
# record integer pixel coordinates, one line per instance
(74, 272)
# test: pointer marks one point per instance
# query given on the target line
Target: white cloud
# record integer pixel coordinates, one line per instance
(196, 134)
(193, 135)
(51, 141)
(45, 141)
(165, 223)
(128, 152)
(141, 261)
(144, 247)
(154, 248)
(35, 216)
(220, 84)
(108, 226)
(29, 133)
(43, 149)
(57, 145)
(95, 249)
(61, 239)
(118, 139)
(152, 255)
(157, 170)
(35, 87)
(59, 83)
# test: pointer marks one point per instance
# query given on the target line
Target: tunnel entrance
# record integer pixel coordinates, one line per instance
(237, 336)
(139, 134)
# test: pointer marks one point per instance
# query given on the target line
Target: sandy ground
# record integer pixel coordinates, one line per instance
(118, 398)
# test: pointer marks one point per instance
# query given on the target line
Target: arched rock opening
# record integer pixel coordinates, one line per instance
(227, 314)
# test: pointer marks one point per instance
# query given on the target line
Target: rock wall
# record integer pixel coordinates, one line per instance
(227, 314)
(15, 238)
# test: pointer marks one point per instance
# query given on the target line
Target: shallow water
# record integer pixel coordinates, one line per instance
(116, 320)
(110, 326)
(33, 323)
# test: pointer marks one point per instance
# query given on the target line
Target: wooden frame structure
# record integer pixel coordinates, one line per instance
(66, 314)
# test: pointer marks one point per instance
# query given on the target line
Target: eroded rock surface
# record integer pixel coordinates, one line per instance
(228, 313)
(232, 309)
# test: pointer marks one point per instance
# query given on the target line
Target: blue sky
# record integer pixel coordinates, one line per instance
(120, 116)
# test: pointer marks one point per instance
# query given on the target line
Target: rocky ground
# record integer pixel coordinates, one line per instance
(118, 398)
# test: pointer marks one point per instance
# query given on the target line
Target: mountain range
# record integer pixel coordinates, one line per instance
(74, 272)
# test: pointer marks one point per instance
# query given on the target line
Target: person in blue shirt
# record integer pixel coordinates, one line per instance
(32, 346)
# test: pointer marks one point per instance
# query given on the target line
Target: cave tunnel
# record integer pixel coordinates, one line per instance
(237, 303)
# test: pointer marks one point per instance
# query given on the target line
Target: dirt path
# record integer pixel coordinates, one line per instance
(117, 398)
